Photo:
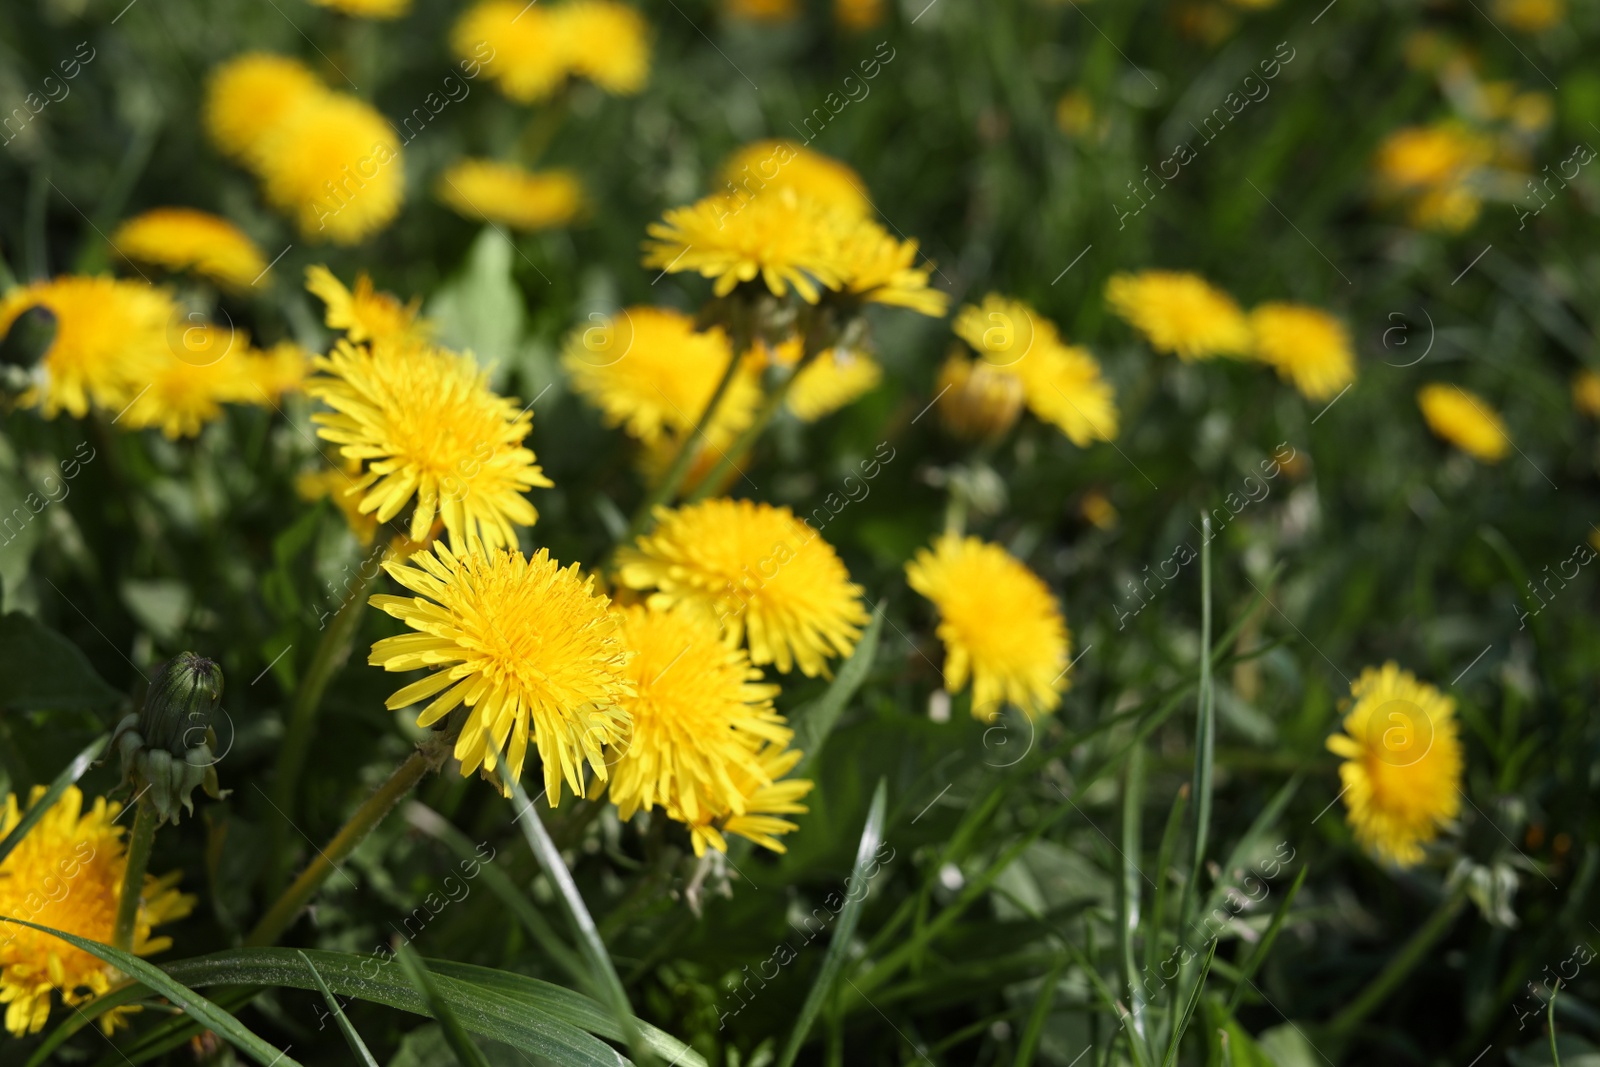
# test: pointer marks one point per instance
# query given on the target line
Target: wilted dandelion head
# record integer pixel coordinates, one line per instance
(528, 647)
(509, 194)
(1180, 313)
(1308, 347)
(178, 239)
(82, 852)
(105, 331)
(1402, 763)
(700, 716)
(764, 575)
(1464, 419)
(429, 432)
(1000, 625)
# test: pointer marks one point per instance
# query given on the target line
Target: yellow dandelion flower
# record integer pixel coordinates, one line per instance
(1060, 383)
(1586, 393)
(858, 15)
(281, 369)
(506, 193)
(765, 799)
(784, 239)
(767, 166)
(333, 164)
(1307, 347)
(763, 10)
(1421, 157)
(877, 267)
(1402, 763)
(835, 379)
(529, 647)
(977, 401)
(428, 427)
(249, 96)
(764, 575)
(1530, 16)
(366, 315)
(1465, 420)
(1000, 625)
(340, 487)
(67, 874)
(185, 387)
(520, 42)
(1180, 313)
(606, 42)
(178, 238)
(700, 715)
(368, 9)
(1098, 509)
(104, 330)
(651, 372)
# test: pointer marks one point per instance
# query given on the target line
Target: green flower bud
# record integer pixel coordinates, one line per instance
(166, 748)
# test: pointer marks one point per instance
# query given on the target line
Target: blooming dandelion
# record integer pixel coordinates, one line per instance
(1307, 347)
(179, 239)
(1179, 313)
(1464, 419)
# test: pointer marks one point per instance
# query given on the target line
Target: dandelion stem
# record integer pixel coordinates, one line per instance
(1413, 953)
(139, 842)
(332, 652)
(429, 756)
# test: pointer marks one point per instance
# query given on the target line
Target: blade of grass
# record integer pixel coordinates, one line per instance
(603, 972)
(1129, 898)
(1040, 1013)
(839, 947)
(36, 811)
(466, 1052)
(353, 1039)
(816, 721)
(1169, 845)
(1182, 1022)
(212, 1016)
(1259, 956)
(1411, 953)
(500, 884)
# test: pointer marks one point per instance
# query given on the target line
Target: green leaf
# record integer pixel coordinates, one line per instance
(191, 1003)
(466, 1053)
(1188, 1011)
(480, 309)
(353, 1039)
(43, 670)
(36, 811)
(813, 723)
(849, 916)
(1029, 1042)
(1258, 955)
(527, 1013)
(602, 973)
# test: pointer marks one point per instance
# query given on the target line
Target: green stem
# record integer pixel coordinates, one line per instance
(1411, 954)
(332, 652)
(542, 129)
(429, 756)
(667, 488)
(139, 842)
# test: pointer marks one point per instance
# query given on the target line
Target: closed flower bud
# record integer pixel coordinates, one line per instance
(978, 401)
(166, 748)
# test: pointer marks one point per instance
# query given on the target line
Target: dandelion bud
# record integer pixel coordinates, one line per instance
(166, 747)
(978, 401)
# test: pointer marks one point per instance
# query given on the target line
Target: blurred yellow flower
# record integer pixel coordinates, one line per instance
(509, 194)
(428, 428)
(280, 369)
(1435, 167)
(877, 267)
(1098, 510)
(977, 401)
(368, 9)
(366, 314)
(333, 164)
(1075, 113)
(533, 48)
(184, 388)
(1061, 383)
(763, 575)
(767, 166)
(178, 238)
(1000, 625)
(1586, 393)
(1307, 347)
(1402, 764)
(766, 796)
(1180, 313)
(526, 645)
(1530, 16)
(858, 15)
(1465, 420)
(651, 372)
(782, 238)
(700, 715)
(250, 95)
(835, 379)
(105, 331)
(763, 10)
(85, 853)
